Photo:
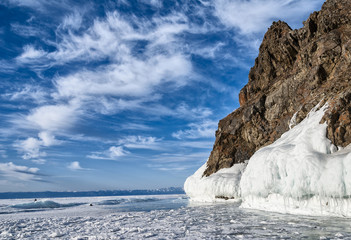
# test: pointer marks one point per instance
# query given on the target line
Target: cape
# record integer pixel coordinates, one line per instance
(294, 71)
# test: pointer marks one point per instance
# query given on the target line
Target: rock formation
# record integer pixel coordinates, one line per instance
(294, 71)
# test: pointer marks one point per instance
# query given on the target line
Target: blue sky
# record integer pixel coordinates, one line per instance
(122, 94)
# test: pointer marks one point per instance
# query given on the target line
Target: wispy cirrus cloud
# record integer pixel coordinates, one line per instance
(113, 153)
(135, 126)
(137, 61)
(165, 154)
(204, 129)
(31, 54)
(7, 66)
(130, 79)
(27, 30)
(128, 142)
(27, 3)
(3, 153)
(168, 168)
(252, 18)
(136, 81)
(43, 6)
(115, 38)
(126, 82)
(73, 21)
(24, 173)
(28, 92)
(255, 16)
(141, 142)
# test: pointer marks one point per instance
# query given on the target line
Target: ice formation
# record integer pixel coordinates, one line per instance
(43, 204)
(220, 185)
(302, 172)
(168, 217)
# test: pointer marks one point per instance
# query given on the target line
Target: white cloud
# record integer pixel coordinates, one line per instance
(114, 37)
(54, 117)
(47, 139)
(6, 66)
(149, 106)
(3, 154)
(126, 83)
(141, 142)
(134, 78)
(252, 18)
(197, 144)
(181, 157)
(168, 168)
(27, 3)
(255, 16)
(113, 153)
(185, 111)
(30, 53)
(155, 3)
(208, 51)
(31, 146)
(130, 142)
(136, 126)
(128, 80)
(42, 5)
(74, 166)
(27, 31)
(19, 172)
(72, 21)
(29, 92)
(205, 129)
(39, 161)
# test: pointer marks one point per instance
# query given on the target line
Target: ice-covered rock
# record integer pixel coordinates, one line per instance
(294, 70)
(223, 184)
(299, 155)
(302, 172)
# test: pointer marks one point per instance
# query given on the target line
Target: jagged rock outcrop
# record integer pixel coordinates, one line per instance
(294, 71)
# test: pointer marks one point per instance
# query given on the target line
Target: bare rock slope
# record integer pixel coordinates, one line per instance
(294, 71)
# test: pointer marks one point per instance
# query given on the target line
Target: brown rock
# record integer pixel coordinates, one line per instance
(294, 71)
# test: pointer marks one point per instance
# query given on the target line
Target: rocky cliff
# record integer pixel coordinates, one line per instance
(294, 71)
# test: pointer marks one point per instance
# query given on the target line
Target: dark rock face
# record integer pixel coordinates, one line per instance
(294, 71)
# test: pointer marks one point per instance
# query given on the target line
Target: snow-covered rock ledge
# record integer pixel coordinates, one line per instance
(302, 172)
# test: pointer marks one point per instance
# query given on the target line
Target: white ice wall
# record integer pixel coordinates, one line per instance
(225, 182)
(302, 172)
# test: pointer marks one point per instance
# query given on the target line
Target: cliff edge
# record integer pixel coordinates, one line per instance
(294, 71)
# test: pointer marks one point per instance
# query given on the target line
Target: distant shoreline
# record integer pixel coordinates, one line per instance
(49, 194)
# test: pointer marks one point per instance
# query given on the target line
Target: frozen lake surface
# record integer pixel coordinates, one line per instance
(156, 217)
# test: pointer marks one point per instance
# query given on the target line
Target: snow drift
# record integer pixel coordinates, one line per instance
(302, 172)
